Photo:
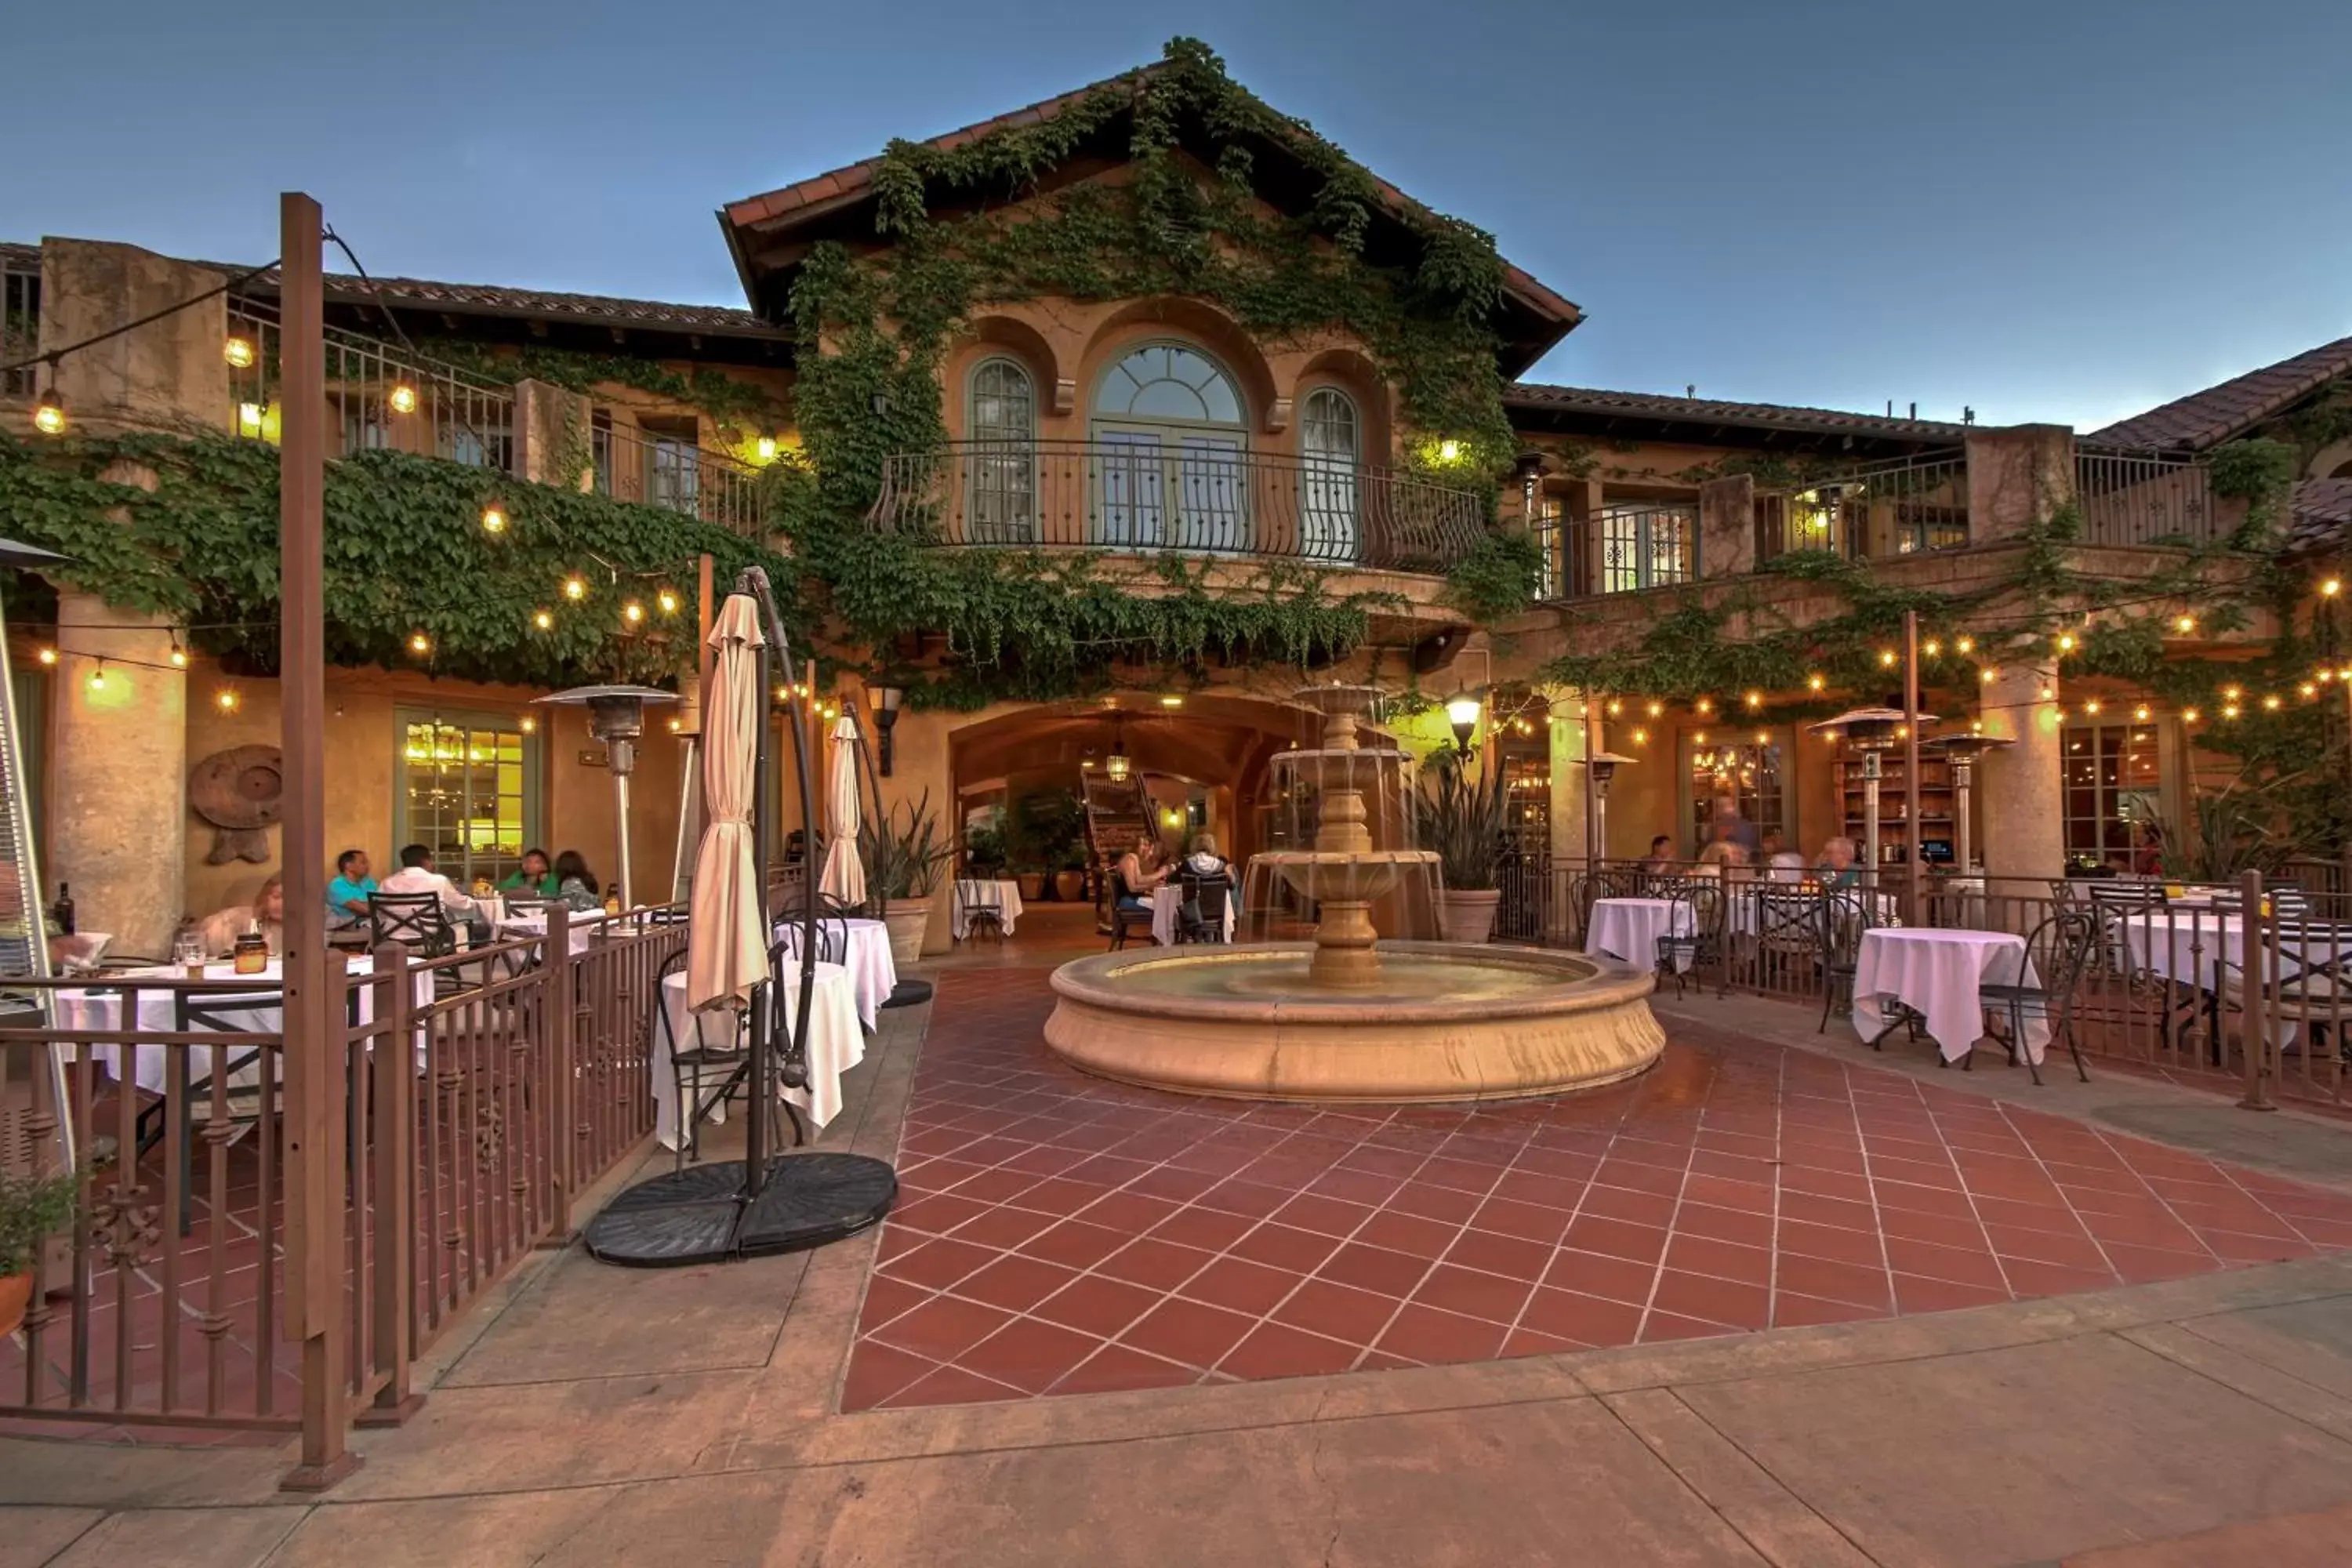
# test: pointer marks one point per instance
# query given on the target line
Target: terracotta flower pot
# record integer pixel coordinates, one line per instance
(16, 1295)
(1069, 885)
(1466, 915)
(1033, 886)
(906, 920)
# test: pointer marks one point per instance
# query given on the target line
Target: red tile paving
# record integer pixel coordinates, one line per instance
(1062, 1234)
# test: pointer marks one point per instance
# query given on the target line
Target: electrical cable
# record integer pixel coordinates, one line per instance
(50, 356)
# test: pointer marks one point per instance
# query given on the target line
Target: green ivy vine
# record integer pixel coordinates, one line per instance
(405, 555)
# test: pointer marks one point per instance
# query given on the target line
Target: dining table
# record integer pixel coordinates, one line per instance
(1169, 898)
(983, 893)
(1938, 973)
(1629, 929)
(835, 1043)
(873, 972)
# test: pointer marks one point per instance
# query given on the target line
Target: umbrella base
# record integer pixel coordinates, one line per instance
(910, 994)
(698, 1214)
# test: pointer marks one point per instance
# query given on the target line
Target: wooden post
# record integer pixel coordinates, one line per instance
(392, 1067)
(2255, 1038)
(316, 1315)
(1917, 836)
(562, 984)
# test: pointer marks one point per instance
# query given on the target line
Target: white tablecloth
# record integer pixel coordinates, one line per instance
(872, 972)
(1628, 930)
(835, 1044)
(534, 924)
(100, 1012)
(1168, 898)
(1005, 898)
(1938, 973)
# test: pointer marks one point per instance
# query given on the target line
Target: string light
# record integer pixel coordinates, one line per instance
(1616, 708)
(2049, 694)
(1816, 682)
(227, 699)
(1705, 706)
(2092, 707)
(2189, 715)
(1886, 659)
(403, 398)
(1657, 709)
(2271, 703)
(179, 657)
(2326, 676)
(2230, 711)
(1700, 737)
(49, 656)
(632, 612)
(2345, 673)
(2065, 642)
(1964, 645)
(1755, 699)
(2184, 624)
(575, 588)
(668, 601)
(419, 644)
(1172, 700)
(2140, 713)
(2333, 586)
(49, 413)
(494, 519)
(2232, 693)
(1641, 737)
(2309, 689)
(1931, 647)
(98, 677)
(1988, 674)
(528, 724)
(543, 619)
(676, 725)
(1763, 738)
(239, 352)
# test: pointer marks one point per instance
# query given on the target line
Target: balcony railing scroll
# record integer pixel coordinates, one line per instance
(1197, 499)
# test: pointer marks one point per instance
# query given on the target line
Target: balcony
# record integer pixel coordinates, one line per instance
(1198, 498)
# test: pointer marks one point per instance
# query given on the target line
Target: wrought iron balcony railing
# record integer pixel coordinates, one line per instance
(1199, 495)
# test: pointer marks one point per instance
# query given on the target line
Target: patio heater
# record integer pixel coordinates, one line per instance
(617, 716)
(1964, 751)
(1600, 768)
(1871, 731)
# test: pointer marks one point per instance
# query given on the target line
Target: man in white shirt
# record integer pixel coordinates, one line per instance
(416, 875)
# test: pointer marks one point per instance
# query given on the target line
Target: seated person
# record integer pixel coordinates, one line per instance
(220, 930)
(1205, 860)
(417, 875)
(1720, 854)
(575, 884)
(1836, 868)
(1140, 869)
(1199, 871)
(537, 879)
(1661, 855)
(347, 894)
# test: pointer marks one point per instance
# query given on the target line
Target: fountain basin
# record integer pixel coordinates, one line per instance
(1441, 1022)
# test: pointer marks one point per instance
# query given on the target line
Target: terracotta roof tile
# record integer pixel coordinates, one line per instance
(2209, 417)
(2320, 515)
(1697, 410)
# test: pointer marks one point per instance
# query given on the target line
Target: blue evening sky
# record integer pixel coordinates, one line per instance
(2060, 209)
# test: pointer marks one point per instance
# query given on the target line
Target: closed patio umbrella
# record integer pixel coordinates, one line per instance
(844, 878)
(728, 940)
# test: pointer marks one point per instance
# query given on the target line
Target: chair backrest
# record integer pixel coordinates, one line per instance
(1204, 897)
(413, 920)
(2061, 948)
(2128, 896)
(241, 1013)
(658, 1018)
(1845, 914)
(1788, 920)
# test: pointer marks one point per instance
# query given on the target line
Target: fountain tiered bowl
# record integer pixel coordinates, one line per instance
(1350, 1018)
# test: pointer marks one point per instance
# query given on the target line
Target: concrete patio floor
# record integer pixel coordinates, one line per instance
(591, 1415)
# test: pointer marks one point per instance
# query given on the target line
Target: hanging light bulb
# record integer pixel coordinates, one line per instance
(2308, 690)
(1816, 682)
(1932, 648)
(2049, 694)
(668, 601)
(494, 519)
(1616, 708)
(1641, 737)
(1755, 699)
(98, 677)
(632, 612)
(2271, 703)
(2140, 713)
(2230, 711)
(419, 644)
(49, 656)
(2092, 707)
(2184, 624)
(1964, 644)
(2330, 588)
(49, 413)
(2189, 715)
(1763, 738)
(2065, 642)
(1987, 675)
(227, 699)
(575, 587)
(1705, 706)
(2232, 693)
(1886, 658)
(179, 657)
(528, 723)
(1699, 739)
(544, 620)
(403, 398)
(1657, 709)
(239, 352)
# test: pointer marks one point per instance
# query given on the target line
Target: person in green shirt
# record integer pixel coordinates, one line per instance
(535, 880)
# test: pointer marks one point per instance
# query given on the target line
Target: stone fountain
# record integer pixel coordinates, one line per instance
(1349, 1018)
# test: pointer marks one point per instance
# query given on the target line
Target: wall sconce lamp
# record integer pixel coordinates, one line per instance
(883, 700)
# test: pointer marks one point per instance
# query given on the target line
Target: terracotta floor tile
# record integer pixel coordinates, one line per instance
(1473, 1294)
(1596, 1274)
(1448, 1206)
(2029, 1277)
(1961, 1265)
(1625, 1203)
(1355, 1186)
(1285, 1246)
(1661, 1326)
(1214, 1229)
(1521, 1185)
(1507, 1254)
(1842, 1214)
(1249, 1200)
(2232, 1248)
(1275, 1350)
(1157, 1265)
(1175, 1184)
(1617, 1238)
(1115, 1369)
(1074, 1244)
(996, 1186)
(1132, 1211)
(1244, 1286)
(877, 1371)
(1374, 1268)
(1855, 1283)
(1407, 1232)
(1941, 1229)
(886, 1299)
(1003, 1228)
(2075, 1251)
(1725, 1225)
(1529, 1222)
(939, 1213)
(1340, 1311)
(1722, 1260)
(1713, 1300)
(1188, 1332)
(951, 1385)
(1587, 1319)
(942, 1328)
(1029, 1354)
(1325, 1215)
(1431, 1336)
(1915, 1294)
(940, 1263)
(2148, 1264)
(1015, 1284)
(1095, 1305)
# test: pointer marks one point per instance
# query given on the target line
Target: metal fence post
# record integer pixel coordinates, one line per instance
(2254, 1038)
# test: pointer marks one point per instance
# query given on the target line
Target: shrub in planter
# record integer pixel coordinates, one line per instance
(905, 856)
(32, 1210)
(1463, 822)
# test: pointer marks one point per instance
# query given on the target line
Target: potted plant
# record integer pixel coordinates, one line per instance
(1049, 836)
(1463, 822)
(905, 854)
(1032, 879)
(32, 1210)
(983, 852)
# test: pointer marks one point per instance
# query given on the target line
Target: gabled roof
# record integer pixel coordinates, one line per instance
(2209, 417)
(2320, 515)
(768, 233)
(495, 300)
(1532, 396)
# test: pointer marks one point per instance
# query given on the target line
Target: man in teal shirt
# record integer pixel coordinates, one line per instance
(347, 895)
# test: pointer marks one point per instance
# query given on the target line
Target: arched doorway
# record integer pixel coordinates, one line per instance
(1172, 435)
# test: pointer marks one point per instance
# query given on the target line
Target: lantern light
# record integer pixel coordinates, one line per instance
(49, 413)
(766, 448)
(403, 398)
(239, 352)
(1449, 451)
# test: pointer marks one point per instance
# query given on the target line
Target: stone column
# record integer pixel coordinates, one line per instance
(1584, 560)
(1567, 711)
(1727, 527)
(2019, 475)
(168, 374)
(2018, 799)
(554, 435)
(118, 774)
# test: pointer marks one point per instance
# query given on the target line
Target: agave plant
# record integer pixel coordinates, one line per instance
(904, 851)
(2236, 832)
(1462, 820)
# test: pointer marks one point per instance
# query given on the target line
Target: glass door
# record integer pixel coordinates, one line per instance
(466, 785)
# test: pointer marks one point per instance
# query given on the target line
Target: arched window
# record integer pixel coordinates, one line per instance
(1171, 475)
(1329, 447)
(1001, 466)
